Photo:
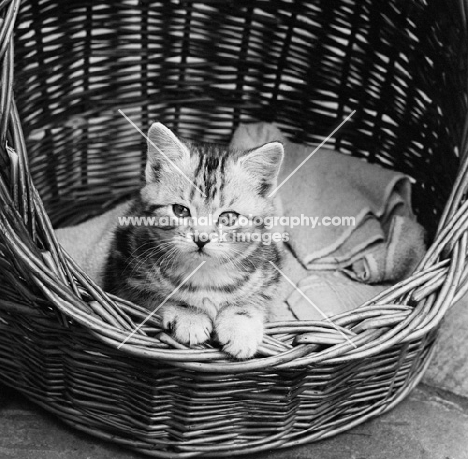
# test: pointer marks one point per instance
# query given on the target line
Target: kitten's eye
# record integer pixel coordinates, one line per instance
(180, 211)
(228, 219)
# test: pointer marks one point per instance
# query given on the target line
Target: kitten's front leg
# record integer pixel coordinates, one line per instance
(240, 329)
(188, 325)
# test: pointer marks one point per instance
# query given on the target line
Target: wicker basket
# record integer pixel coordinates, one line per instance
(201, 68)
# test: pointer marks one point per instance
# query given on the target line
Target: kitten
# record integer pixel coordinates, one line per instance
(233, 289)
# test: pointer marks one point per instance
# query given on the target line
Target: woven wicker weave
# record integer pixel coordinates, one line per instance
(201, 68)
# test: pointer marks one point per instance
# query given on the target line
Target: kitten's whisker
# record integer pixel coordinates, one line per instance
(241, 261)
(152, 251)
(161, 245)
(167, 257)
(236, 263)
(176, 252)
(153, 248)
(151, 242)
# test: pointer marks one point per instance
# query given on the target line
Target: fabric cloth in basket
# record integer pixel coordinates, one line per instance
(351, 215)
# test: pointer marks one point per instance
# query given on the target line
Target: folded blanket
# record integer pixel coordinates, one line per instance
(317, 295)
(88, 243)
(328, 294)
(377, 237)
(293, 272)
(394, 259)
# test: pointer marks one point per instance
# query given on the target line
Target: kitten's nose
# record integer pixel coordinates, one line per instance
(200, 243)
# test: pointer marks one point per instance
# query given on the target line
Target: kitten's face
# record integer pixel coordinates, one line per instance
(207, 201)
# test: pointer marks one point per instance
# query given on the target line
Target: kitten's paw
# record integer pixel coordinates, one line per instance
(188, 326)
(239, 333)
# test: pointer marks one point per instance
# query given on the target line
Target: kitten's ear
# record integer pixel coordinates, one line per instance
(164, 150)
(264, 162)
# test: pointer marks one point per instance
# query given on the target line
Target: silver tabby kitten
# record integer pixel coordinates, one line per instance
(201, 196)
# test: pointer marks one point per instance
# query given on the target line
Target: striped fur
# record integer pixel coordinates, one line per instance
(231, 292)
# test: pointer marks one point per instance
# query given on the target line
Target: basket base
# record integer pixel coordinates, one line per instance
(298, 429)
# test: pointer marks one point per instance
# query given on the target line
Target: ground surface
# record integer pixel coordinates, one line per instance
(429, 424)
